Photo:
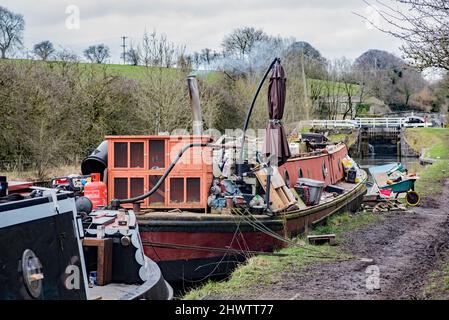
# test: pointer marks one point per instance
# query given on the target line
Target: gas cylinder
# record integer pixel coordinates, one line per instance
(96, 191)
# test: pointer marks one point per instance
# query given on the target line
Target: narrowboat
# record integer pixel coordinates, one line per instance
(50, 250)
(204, 205)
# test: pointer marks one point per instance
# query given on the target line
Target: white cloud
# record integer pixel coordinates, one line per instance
(328, 25)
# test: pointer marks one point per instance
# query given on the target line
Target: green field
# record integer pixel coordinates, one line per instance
(139, 72)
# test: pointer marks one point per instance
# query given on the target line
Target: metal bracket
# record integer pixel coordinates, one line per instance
(51, 193)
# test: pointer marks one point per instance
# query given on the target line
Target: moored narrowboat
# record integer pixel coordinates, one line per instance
(202, 206)
(46, 237)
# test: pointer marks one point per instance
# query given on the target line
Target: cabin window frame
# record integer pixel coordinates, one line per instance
(324, 170)
(287, 179)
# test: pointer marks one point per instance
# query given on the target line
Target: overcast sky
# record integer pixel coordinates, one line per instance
(329, 25)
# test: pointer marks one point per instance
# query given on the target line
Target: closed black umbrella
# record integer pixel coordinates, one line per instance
(276, 144)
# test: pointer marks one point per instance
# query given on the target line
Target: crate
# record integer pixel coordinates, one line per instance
(135, 164)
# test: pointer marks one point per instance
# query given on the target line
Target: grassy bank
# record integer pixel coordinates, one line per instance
(348, 139)
(437, 287)
(436, 143)
(434, 140)
(431, 178)
(268, 270)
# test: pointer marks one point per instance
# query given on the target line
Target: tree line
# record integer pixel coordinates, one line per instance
(55, 112)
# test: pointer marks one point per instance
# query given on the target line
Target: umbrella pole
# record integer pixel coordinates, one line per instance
(250, 110)
(267, 195)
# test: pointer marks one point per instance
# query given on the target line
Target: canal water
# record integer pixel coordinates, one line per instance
(385, 153)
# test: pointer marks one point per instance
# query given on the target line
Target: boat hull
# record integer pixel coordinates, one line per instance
(194, 249)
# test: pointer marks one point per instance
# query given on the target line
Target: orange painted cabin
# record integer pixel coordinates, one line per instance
(325, 166)
(135, 164)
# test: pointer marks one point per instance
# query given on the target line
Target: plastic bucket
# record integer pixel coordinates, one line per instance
(315, 189)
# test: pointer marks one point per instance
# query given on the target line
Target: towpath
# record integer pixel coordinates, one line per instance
(393, 259)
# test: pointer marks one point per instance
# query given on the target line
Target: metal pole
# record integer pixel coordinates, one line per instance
(250, 110)
(124, 49)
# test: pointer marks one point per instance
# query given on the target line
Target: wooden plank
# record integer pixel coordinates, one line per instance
(289, 194)
(104, 258)
(283, 196)
(276, 179)
(93, 242)
(321, 239)
(107, 262)
(299, 201)
(277, 204)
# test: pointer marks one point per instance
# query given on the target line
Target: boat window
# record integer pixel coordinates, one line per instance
(137, 186)
(287, 179)
(193, 190)
(120, 188)
(121, 154)
(136, 155)
(324, 169)
(157, 154)
(157, 198)
(339, 166)
(300, 175)
(177, 190)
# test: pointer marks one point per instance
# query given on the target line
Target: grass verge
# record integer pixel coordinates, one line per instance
(436, 143)
(434, 140)
(346, 222)
(268, 270)
(348, 139)
(431, 178)
(438, 283)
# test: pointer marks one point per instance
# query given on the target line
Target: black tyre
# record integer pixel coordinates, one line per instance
(412, 198)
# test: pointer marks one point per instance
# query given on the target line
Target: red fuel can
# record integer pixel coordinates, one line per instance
(96, 191)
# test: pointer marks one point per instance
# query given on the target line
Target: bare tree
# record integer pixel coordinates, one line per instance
(241, 40)
(206, 55)
(332, 91)
(146, 49)
(44, 50)
(97, 53)
(424, 27)
(66, 55)
(184, 62)
(11, 31)
(158, 51)
(409, 83)
(315, 91)
(360, 77)
(348, 80)
(196, 57)
(133, 55)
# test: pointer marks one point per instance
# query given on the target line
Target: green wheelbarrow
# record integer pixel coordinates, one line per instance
(405, 186)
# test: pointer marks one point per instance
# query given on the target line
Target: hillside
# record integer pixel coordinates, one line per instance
(139, 72)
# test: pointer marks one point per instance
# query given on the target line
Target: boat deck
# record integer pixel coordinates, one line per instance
(112, 291)
(177, 214)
